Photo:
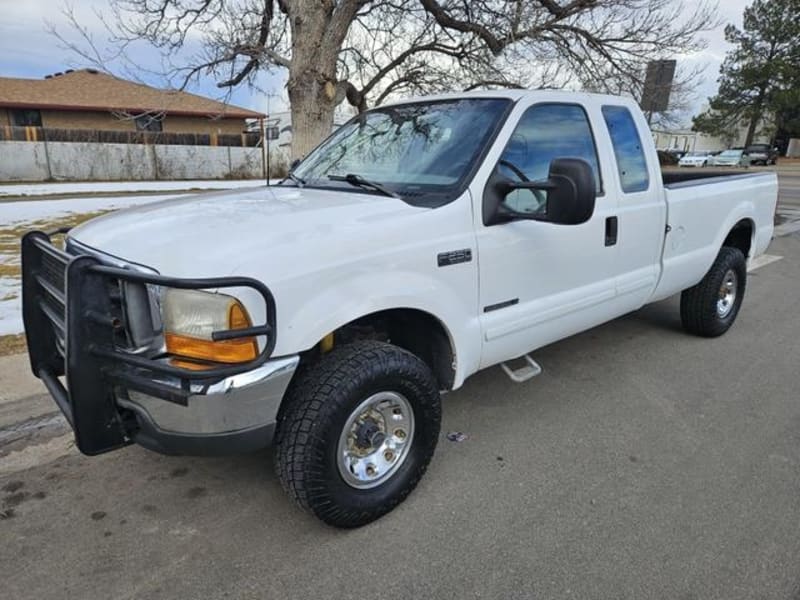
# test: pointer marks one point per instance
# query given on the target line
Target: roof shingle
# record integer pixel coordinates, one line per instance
(88, 89)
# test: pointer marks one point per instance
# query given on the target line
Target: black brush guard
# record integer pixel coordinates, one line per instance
(73, 330)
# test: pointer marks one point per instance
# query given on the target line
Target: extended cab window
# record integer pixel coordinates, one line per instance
(546, 132)
(628, 149)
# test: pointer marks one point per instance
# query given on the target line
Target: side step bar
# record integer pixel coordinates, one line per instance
(522, 374)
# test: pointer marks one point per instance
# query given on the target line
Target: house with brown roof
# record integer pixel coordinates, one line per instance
(88, 99)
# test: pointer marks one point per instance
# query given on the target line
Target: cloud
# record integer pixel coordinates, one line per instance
(729, 11)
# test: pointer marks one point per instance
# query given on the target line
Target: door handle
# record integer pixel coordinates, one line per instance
(611, 231)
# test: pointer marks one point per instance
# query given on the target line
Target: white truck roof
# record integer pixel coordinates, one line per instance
(517, 94)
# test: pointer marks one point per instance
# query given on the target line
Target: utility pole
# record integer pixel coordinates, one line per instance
(266, 139)
(267, 124)
(264, 163)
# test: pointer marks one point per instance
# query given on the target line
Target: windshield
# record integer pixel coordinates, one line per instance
(731, 153)
(422, 152)
(696, 154)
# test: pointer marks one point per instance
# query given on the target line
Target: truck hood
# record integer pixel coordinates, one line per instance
(218, 234)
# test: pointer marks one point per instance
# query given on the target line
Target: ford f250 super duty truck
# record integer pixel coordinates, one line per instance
(418, 244)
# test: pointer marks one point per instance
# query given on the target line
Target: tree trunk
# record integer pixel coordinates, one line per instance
(316, 40)
(751, 130)
(312, 110)
(755, 117)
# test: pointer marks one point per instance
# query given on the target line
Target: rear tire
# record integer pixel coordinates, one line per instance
(357, 432)
(710, 308)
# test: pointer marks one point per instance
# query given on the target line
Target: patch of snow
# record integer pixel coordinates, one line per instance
(24, 211)
(94, 187)
(11, 308)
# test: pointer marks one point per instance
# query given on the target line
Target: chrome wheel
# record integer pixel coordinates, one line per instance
(727, 294)
(375, 440)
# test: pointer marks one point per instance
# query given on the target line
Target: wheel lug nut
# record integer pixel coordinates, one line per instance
(388, 455)
(399, 433)
(371, 470)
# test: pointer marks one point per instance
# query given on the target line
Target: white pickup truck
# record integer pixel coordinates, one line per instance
(423, 241)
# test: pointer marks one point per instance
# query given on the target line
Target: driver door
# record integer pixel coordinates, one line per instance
(539, 281)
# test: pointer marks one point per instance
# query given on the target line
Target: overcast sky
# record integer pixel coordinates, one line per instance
(28, 50)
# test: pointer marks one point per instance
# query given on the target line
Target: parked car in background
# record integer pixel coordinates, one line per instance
(694, 159)
(729, 158)
(678, 154)
(666, 158)
(761, 154)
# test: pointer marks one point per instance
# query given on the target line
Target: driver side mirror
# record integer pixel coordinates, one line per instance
(566, 197)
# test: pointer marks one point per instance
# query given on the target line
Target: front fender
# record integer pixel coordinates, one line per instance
(301, 325)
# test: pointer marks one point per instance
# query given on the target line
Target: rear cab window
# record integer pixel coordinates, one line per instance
(628, 150)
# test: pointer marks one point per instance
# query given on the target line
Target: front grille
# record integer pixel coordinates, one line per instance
(130, 304)
(51, 283)
(51, 279)
(54, 271)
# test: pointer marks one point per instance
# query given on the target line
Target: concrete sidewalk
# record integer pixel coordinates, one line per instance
(32, 429)
(22, 396)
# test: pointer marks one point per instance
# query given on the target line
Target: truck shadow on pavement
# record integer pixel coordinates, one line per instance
(664, 315)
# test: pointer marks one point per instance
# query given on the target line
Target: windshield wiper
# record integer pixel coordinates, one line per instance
(299, 181)
(359, 181)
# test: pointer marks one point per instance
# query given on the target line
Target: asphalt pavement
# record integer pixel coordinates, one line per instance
(643, 463)
(789, 197)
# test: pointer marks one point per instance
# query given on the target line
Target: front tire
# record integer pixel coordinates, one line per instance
(710, 308)
(357, 432)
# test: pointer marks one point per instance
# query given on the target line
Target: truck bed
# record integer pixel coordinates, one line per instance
(702, 208)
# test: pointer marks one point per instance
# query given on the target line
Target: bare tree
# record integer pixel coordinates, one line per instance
(363, 51)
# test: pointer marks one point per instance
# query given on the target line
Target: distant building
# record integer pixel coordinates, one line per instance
(87, 99)
(687, 140)
(279, 126)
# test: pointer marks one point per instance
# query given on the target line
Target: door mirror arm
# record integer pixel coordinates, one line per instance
(507, 186)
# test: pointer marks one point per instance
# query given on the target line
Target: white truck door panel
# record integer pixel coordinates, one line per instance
(641, 207)
(541, 281)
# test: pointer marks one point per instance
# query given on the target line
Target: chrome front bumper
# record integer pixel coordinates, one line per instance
(237, 414)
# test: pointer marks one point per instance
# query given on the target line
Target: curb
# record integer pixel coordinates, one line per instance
(22, 396)
(16, 380)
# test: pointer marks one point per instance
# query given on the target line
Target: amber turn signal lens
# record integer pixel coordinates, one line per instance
(190, 365)
(226, 351)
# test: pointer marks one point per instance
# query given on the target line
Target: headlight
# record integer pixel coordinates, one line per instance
(191, 316)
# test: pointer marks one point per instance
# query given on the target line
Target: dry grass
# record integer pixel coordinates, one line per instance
(10, 238)
(7, 270)
(12, 344)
